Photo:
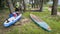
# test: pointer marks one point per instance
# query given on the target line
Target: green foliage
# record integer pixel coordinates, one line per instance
(59, 8)
(45, 1)
(2, 4)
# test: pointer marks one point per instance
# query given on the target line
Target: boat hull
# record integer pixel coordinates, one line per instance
(12, 22)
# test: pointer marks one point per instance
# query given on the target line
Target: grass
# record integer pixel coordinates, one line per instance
(59, 8)
(31, 27)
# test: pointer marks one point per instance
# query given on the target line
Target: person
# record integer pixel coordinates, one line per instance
(16, 12)
(17, 8)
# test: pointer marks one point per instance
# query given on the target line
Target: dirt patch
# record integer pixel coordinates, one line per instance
(35, 8)
(58, 13)
(23, 21)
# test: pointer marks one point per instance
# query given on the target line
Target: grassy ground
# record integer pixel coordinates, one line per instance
(31, 27)
(59, 9)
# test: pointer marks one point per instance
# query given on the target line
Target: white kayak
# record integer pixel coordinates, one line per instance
(41, 23)
(12, 20)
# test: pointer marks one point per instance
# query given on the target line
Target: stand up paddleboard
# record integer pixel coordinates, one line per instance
(41, 23)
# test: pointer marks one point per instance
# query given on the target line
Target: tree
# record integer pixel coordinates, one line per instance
(10, 5)
(36, 3)
(24, 5)
(2, 4)
(45, 1)
(41, 5)
(54, 7)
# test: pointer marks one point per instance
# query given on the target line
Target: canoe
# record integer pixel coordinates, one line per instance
(41, 23)
(12, 20)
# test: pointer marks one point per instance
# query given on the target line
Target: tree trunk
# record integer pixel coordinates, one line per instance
(24, 5)
(10, 5)
(54, 7)
(41, 5)
(32, 4)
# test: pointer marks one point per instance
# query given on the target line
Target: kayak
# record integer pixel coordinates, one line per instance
(41, 23)
(12, 20)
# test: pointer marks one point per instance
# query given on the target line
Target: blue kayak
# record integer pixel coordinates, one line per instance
(41, 23)
(12, 20)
